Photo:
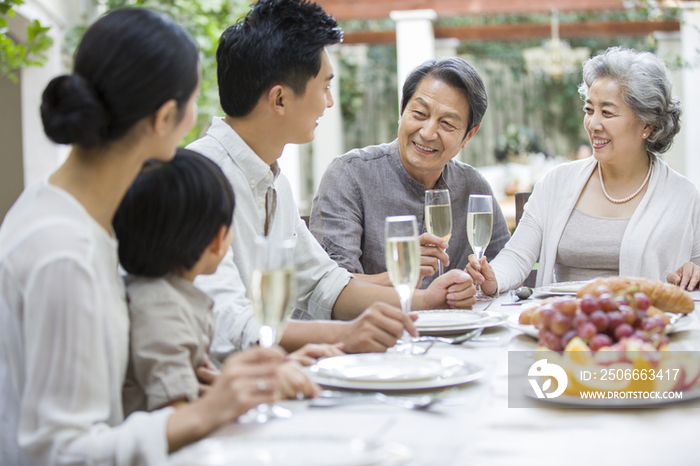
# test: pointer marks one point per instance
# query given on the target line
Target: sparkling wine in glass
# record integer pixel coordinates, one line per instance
(273, 293)
(438, 215)
(479, 226)
(403, 260)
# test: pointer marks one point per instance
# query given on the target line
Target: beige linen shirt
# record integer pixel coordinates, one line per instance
(263, 196)
(64, 341)
(172, 324)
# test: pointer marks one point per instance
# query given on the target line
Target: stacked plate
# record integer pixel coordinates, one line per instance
(393, 371)
(453, 321)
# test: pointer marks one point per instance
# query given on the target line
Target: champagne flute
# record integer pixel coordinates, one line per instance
(479, 226)
(273, 292)
(438, 216)
(402, 250)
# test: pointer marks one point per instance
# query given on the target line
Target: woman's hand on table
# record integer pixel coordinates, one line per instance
(432, 251)
(309, 353)
(247, 379)
(483, 274)
(453, 289)
(293, 382)
(376, 329)
(687, 276)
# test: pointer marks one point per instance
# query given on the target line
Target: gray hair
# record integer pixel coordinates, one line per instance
(457, 73)
(646, 89)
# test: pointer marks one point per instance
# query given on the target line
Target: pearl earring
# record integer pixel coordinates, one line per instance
(644, 135)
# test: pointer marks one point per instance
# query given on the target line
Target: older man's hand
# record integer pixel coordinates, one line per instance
(432, 251)
(454, 289)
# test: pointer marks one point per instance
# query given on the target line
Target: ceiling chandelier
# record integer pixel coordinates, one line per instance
(555, 57)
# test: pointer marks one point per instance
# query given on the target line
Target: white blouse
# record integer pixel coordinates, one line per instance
(64, 336)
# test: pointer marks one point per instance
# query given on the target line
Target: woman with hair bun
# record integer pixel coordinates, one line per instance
(621, 212)
(64, 340)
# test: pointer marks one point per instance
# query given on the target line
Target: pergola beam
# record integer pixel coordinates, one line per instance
(344, 10)
(507, 32)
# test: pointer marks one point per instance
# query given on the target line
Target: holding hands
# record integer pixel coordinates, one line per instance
(454, 289)
(687, 276)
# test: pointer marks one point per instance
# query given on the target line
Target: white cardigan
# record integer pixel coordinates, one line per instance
(662, 235)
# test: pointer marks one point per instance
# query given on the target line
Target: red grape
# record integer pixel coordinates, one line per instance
(628, 314)
(606, 302)
(615, 319)
(579, 319)
(546, 317)
(589, 303)
(587, 330)
(623, 330)
(567, 307)
(653, 324)
(601, 320)
(643, 302)
(599, 341)
(560, 323)
(566, 338)
(551, 341)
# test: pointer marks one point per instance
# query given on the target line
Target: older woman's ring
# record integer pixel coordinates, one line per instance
(261, 385)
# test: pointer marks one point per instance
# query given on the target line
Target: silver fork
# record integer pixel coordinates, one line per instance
(451, 341)
(330, 398)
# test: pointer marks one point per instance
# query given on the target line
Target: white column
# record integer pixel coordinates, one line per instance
(328, 141)
(668, 48)
(40, 155)
(690, 52)
(446, 47)
(415, 40)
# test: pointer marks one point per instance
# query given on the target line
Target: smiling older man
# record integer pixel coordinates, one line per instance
(441, 110)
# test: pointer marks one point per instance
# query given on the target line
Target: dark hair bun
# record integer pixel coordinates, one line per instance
(72, 113)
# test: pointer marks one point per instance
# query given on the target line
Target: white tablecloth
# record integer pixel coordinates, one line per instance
(475, 426)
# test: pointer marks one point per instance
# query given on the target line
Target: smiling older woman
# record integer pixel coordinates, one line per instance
(621, 212)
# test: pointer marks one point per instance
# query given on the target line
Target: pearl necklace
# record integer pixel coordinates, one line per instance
(631, 196)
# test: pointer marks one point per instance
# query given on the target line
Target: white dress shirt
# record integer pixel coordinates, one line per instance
(263, 195)
(64, 341)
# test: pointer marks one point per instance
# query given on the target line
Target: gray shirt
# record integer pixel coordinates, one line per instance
(589, 247)
(171, 327)
(361, 188)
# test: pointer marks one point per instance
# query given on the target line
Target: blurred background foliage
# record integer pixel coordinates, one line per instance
(15, 55)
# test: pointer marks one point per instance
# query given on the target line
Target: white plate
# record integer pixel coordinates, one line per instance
(291, 451)
(378, 367)
(451, 320)
(562, 288)
(454, 372)
(531, 330)
(571, 400)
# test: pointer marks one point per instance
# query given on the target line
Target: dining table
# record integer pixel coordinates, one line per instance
(475, 424)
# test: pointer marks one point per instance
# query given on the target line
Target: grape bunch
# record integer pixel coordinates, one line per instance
(600, 319)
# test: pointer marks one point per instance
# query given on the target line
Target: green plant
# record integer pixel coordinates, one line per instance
(205, 20)
(14, 55)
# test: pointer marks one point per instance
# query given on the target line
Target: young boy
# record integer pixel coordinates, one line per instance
(174, 224)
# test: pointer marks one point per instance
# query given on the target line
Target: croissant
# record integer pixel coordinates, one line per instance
(667, 297)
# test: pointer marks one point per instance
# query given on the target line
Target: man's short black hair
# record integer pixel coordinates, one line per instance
(278, 42)
(171, 213)
(457, 73)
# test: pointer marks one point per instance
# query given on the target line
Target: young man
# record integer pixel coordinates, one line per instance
(274, 85)
(441, 110)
